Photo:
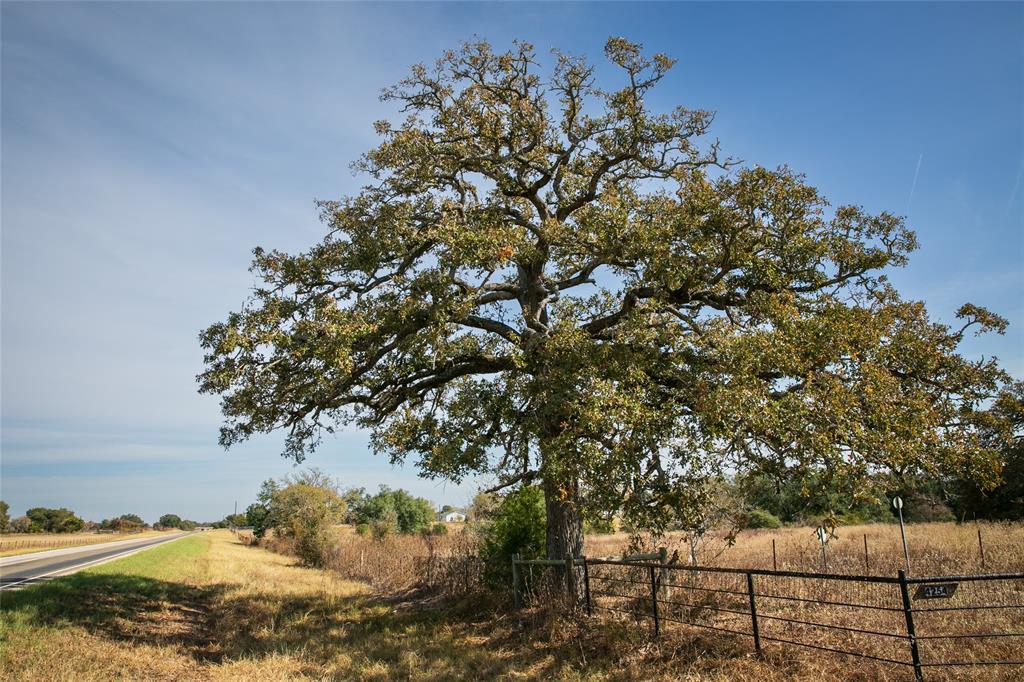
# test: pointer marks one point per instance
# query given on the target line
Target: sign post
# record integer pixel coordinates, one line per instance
(823, 539)
(897, 502)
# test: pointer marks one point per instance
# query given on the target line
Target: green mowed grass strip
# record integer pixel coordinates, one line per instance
(106, 591)
(169, 560)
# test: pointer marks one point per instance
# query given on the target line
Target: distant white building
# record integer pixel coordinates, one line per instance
(451, 517)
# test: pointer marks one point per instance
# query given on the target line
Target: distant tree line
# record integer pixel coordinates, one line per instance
(42, 520)
(174, 521)
(46, 520)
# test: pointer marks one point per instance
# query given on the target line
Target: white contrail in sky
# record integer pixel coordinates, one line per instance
(913, 185)
(1013, 192)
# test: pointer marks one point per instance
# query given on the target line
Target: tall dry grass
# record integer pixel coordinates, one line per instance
(934, 548)
(400, 562)
(443, 563)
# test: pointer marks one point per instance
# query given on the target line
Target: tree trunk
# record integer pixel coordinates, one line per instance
(565, 536)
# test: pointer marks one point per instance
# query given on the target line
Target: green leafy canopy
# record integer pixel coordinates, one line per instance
(545, 279)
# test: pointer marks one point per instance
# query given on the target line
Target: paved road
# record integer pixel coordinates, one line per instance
(28, 569)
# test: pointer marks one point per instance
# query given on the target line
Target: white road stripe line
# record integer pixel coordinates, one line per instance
(78, 567)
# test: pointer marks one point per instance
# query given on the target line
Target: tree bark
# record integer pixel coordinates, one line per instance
(565, 536)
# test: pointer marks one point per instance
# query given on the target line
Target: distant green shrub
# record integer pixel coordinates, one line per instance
(363, 528)
(394, 511)
(759, 518)
(384, 525)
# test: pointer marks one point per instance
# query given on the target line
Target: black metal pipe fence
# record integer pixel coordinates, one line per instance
(919, 623)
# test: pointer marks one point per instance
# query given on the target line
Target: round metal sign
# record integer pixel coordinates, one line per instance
(897, 502)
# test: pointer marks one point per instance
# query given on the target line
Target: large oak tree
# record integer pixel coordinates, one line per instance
(546, 281)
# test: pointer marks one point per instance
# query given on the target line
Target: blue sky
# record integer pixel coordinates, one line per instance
(146, 148)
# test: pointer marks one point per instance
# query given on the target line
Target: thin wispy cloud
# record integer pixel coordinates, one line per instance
(913, 185)
(1013, 192)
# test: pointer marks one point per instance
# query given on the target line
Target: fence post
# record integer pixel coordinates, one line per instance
(586, 585)
(664, 575)
(915, 656)
(867, 563)
(753, 614)
(570, 580)
(515, 580)
(654, 602)
(775, 561)
(981, 550)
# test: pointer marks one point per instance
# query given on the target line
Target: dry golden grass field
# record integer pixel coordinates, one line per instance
(25, 543)
(209, 607)
(934, 548)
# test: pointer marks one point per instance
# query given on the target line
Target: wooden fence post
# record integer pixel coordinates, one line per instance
(586, 585)
(570, 581)
(654, 603)
(515, 581)
(664, 573)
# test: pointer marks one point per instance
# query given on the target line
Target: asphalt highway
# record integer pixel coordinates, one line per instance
(28, 569)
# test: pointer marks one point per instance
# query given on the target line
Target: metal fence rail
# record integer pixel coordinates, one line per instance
(916, 622)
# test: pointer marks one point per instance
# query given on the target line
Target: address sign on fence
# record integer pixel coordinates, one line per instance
(936, 591)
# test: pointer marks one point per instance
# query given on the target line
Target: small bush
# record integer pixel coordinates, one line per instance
(436, 529)
(518, 526)
(362, 529)
(306, 514)
(386, 525)
(759, 518)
